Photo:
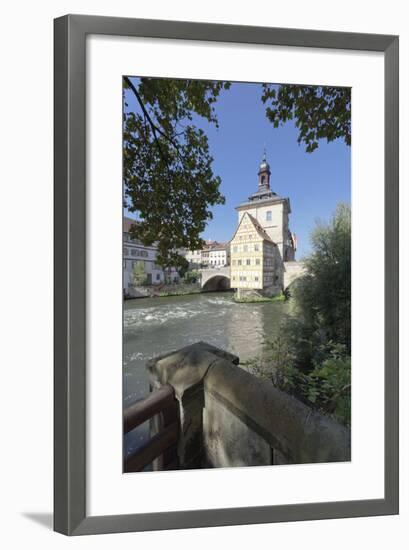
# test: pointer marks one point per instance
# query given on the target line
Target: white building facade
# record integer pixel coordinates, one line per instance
(213, 254)
(194, 257)
(219, 256)
(135, 252)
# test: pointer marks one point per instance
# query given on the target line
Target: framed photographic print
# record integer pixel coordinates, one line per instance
(226, 275)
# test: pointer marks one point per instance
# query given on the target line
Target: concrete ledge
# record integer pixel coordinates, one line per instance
(185, 370)
(230, 417)
(301, 434)
(186, 367)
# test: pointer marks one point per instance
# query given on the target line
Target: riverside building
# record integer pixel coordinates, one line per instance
(263, 241)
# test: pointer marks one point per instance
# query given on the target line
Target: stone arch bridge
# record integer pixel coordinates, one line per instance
(292, 271)
(220, 279)
(217, 278)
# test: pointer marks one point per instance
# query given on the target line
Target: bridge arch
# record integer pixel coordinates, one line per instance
(216, 282)
(292, 272)
(215, 278)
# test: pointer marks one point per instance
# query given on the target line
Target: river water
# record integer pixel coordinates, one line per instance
(153, 326)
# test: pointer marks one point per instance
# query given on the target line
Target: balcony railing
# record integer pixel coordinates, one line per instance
(228, 417)
(162, 410)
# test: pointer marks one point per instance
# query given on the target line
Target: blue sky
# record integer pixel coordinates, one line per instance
(314, 182)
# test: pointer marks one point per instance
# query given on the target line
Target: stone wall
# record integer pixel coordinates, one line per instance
(221, 272)
(224, 433)
(292, 271)
(230, 417)
(138, 292)
(176, 289)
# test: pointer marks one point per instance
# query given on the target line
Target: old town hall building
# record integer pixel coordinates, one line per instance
(263, 241)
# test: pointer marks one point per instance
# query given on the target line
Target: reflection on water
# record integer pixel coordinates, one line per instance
(153, 326)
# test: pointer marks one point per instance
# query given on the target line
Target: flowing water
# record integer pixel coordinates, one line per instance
(153, 326)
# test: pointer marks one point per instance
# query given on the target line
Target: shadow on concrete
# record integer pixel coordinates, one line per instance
(45, 519)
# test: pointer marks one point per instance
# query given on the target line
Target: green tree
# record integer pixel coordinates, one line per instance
(328, 385)
(168, 174)
(183, 268)
(319, 112)
(138, 274)
(192, 276)
(323, 296)
(168, 169)
(310, 357)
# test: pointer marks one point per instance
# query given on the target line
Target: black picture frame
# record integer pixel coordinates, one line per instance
(70, 515)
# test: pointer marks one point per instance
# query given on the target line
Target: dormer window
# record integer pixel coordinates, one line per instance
(268, 216)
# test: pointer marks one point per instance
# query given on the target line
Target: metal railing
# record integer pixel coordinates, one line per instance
(162, 409)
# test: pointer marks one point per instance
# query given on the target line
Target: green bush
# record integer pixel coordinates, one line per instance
(255, 298)
(323, 295)
(191, 277)
(330, 383)
(138, 274)
(326, 388)
(311, 355)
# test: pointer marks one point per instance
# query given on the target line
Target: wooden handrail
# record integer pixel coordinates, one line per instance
(152, 449)
(144, 409)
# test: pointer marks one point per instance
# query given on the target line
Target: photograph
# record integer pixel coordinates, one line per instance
(214, 348)
(236, 274)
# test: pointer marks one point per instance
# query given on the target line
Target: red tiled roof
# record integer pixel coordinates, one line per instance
(127, 223)
(219, 246)
(260, 230)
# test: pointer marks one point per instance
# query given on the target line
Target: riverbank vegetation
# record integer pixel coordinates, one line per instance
(138, 274)
(165, 290)
(178, 290)
(257, 298)
(310, 357)
(192, 276)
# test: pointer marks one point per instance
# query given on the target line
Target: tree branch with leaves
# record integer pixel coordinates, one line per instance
(168, 169)
(319, 112)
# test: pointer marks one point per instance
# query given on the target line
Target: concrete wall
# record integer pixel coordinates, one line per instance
(224, 447)
(230, 417)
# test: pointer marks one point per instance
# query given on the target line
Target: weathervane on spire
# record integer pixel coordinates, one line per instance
(264, 172)
(264, 153)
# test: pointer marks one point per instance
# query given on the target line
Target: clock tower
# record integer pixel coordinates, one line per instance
(271, 211)
(264, 174)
